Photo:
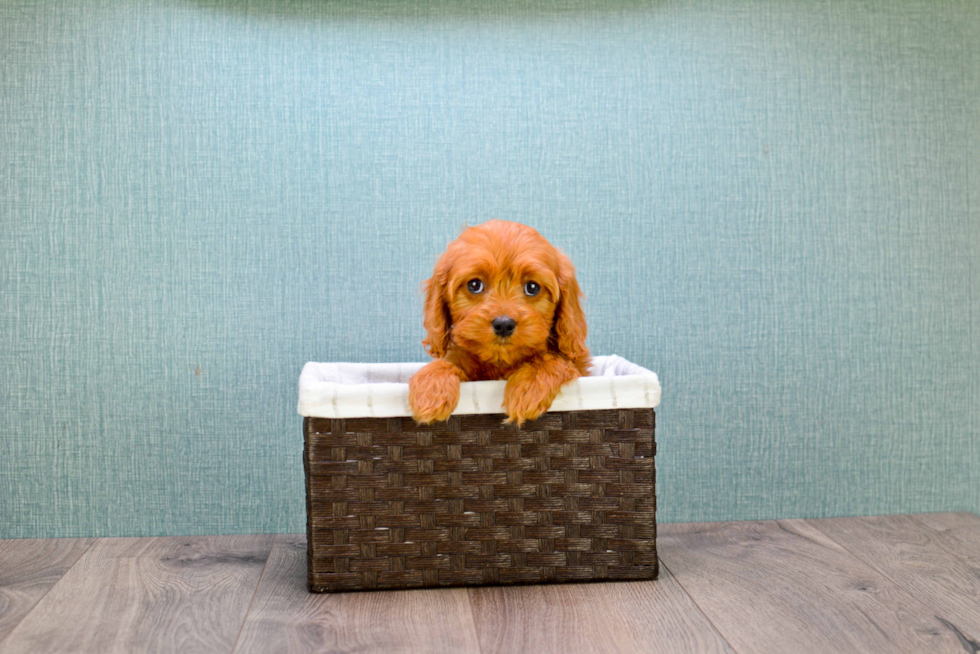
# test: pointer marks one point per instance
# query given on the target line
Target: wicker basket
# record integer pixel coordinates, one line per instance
(472, 501)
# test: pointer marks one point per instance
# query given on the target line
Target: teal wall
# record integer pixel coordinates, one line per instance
(775, 205)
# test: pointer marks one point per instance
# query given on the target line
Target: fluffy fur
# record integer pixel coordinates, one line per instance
(547, 348)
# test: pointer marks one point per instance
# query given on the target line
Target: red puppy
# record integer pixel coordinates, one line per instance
(502, 303)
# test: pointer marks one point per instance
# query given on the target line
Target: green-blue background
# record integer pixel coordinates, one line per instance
(775, 205)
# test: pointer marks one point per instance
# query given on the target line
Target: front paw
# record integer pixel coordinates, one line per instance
(531, 390)
(528, 395)
(433, 392)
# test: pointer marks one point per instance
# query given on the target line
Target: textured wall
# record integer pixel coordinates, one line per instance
(773, 204)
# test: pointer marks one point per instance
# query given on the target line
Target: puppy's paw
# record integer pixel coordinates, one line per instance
(523, 405)
(433, 392)
(531, 390)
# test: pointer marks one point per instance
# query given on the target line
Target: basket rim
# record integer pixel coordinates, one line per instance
(353, 390)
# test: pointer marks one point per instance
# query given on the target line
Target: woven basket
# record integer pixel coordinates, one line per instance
(472, 501)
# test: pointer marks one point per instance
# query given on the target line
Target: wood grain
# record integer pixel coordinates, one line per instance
(285, 617)
(784, 586)
(921, 560)
(894, 584)
(28, 570)
(959, 533)
(148, 595)
(600, 618)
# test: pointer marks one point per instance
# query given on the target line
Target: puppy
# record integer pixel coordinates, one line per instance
(502, 303)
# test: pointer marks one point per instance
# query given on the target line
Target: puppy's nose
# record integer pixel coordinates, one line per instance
(503, 326)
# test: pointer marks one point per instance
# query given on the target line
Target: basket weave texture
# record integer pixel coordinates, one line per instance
(472, 501)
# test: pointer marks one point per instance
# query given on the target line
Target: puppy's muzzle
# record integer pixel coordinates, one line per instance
(504, 326)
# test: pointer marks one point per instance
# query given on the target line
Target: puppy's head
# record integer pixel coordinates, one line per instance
(503, 293)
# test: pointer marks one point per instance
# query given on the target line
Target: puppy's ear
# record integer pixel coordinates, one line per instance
(569, 329)
(437, 321)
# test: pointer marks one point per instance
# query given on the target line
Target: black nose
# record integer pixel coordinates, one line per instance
(503, 326)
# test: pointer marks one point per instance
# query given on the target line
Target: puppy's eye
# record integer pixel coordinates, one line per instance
(475, 286)
(531, 289)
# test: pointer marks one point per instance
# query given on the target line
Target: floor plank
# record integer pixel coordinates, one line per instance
(784, 586)
(921, 560)
(148, 595)
(600, 618)
(960, 533)
(895, 584)
(285, 617)
(28, 570)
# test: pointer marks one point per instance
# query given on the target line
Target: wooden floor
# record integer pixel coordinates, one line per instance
(886, 584)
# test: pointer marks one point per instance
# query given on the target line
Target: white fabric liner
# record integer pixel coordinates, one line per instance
(380, 390)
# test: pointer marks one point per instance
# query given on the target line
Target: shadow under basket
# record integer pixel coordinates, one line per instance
(473, 501)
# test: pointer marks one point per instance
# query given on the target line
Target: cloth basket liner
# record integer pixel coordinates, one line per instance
(380, 390)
